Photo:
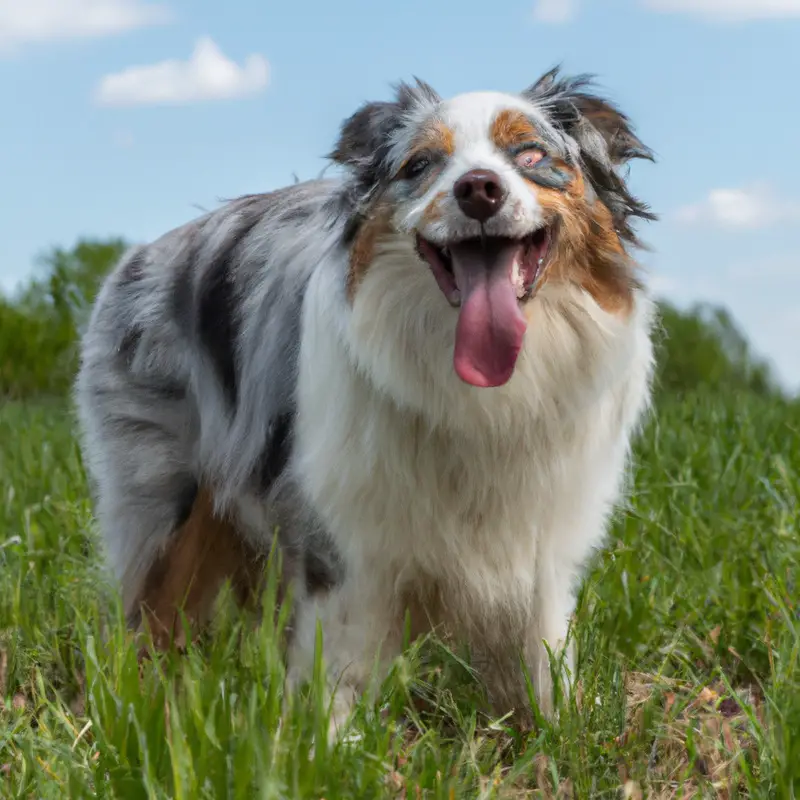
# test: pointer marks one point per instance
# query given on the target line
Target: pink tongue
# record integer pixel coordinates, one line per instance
(490, 325)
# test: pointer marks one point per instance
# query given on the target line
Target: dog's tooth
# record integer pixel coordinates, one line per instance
(515, 270)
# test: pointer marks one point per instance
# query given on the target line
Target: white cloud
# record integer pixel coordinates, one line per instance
(27, 21)
(662, 284)
(207, 75)
(555, 11)
(750, 207)
(729, 10)
(560, 11)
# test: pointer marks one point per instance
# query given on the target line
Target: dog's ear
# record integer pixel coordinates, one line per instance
(604, 137)
(365, 136)
(588, 118)
(365, 133)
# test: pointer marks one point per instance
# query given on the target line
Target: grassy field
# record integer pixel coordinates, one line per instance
(688, 682)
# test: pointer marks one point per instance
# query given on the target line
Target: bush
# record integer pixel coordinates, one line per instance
(40, 328)
(703, 348)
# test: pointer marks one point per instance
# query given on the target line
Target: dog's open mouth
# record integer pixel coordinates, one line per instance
(487, 278)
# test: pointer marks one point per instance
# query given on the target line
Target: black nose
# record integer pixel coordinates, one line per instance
(480, 193)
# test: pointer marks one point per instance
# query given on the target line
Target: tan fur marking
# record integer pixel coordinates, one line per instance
(363, 249)
(437, 137)
(588, 250)
(188, 576)
(511, 128)
(433, 212)
(441, 138)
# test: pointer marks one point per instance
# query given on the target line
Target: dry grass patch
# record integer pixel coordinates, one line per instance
(704, 744)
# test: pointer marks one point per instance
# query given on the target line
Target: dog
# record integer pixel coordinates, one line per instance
(421, 377)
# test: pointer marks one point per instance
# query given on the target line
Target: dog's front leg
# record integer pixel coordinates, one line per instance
(506, 668)
(360, 638)
(530, 645)
(548, 629)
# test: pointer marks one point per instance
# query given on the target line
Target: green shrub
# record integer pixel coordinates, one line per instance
(703, 348)
(40, 327)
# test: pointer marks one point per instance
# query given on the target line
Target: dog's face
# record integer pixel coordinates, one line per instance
(498, 194)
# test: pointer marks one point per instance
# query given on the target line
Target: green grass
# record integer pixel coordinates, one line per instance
(688, 678)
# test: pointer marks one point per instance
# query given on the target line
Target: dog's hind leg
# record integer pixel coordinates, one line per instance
(164, 544)
(187, 575)
(169, 550)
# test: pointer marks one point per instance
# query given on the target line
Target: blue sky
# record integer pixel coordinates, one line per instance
(126, 117)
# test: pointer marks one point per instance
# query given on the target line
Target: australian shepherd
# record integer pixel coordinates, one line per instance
(420, 377)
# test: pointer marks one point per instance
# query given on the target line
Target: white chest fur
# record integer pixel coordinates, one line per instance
(467, 486)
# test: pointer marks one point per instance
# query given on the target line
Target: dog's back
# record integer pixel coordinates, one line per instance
(160, 391)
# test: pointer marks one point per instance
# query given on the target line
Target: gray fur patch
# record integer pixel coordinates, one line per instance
(365, 144)
(166, 344)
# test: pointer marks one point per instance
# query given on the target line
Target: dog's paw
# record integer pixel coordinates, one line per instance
(340, 727)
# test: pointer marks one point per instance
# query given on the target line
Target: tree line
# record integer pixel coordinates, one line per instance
(700, 348)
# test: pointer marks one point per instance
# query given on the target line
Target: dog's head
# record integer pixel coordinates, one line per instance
(499, 194)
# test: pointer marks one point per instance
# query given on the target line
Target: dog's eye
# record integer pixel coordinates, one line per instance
(529, 158)
(415, 167)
